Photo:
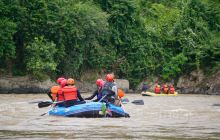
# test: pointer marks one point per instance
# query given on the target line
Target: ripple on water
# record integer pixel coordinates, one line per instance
(181, 117)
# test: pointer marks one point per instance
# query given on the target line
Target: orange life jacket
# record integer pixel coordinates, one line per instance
(157, 90)
(67, 93)
(54, 91)
(172, 90)
(120, 93)
(70, 93)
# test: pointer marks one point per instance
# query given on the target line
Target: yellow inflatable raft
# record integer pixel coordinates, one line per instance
(147, 93)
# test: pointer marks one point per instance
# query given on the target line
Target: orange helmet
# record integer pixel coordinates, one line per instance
(157, 85)
(63, 83)
(109, 77)
(70, 81)
(59, 80)
(99, 82)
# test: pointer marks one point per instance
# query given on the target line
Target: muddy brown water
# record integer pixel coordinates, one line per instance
(181, 117)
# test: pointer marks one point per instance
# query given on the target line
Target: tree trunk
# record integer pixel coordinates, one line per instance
(9, 66)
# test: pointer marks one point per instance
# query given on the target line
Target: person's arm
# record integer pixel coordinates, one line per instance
(49, 94)
(79, 96)
(93, 95)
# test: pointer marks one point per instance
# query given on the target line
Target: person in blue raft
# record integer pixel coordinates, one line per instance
(106, 91)
(100, 83)
(68, 95)
(109, 90)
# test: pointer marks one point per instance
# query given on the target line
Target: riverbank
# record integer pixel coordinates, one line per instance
(24, 84)
(194, 83)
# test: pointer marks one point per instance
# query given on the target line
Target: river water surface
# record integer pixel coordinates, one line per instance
(180, 117)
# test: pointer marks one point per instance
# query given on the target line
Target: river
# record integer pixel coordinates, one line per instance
(171, 118)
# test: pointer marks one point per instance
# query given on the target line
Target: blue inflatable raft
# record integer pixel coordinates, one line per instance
(89, 110)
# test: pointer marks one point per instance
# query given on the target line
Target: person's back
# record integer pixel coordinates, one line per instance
(172, 89)
(70, 93)
(157, 89)
(144, 87)
(165, 89)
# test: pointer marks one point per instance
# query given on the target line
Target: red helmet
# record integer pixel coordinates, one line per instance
(59, 80)
(109, 77)
(63, 83)
(99, 82)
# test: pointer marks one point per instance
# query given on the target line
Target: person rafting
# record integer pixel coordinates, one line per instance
(110, 90)
(171, 89)
(99, 83)
(144, 87)
(157, 89)
(54, 90)
(165, 89)
(69, 94)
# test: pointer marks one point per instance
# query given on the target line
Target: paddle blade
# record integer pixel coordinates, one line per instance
(125, 101)
(34, 102)
(44, 104)
(138, 102)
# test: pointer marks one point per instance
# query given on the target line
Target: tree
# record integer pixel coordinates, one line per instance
(7, 45)
(40, 58)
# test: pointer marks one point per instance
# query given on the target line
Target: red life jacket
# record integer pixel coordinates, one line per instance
(67, 93)
(165, 89)
(172, 90)
(157, 90)
(60, 95)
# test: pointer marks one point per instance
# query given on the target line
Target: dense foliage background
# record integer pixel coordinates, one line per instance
(134, 39)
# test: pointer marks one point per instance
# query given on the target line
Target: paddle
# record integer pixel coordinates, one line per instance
(47, 103)
(136, 102)
(44, 104)
(34, 102)
(125, 100)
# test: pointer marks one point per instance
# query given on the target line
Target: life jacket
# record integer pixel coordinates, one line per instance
(108, 85)
(157, 90)
(70, 93)
(60, 95)
(165, 89)
(120, 93)
(67, 93)
(54, 91)
(172, 90)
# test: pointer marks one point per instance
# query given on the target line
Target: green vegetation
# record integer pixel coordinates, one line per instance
(134, 39)
(40, 58)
